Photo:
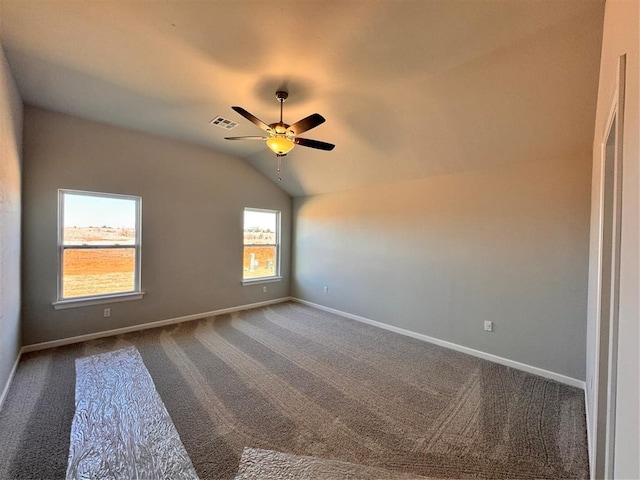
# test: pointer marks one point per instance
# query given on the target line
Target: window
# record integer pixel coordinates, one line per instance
(261, 245)
(98, 248)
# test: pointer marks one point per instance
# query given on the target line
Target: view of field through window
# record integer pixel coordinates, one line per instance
(99, 245)
(260, 244)
(98, 271)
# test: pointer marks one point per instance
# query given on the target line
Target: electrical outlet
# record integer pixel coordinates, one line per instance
(264, 289)
(107, 313)
(326, 289)
(488, 326)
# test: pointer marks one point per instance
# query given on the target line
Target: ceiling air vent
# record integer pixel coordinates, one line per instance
(223, 123)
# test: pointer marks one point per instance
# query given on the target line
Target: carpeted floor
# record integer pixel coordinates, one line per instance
(299, 381)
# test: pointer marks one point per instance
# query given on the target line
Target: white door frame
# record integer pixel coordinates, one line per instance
(605, 381)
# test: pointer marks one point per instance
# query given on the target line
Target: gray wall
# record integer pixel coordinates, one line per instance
(10, 153)
(440, 255)
(621, 36)
(192, 213)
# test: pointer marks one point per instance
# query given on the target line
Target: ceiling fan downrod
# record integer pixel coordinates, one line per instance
(282, 96)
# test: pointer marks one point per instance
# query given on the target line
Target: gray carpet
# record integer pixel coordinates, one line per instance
(303, 382)
(259, 464)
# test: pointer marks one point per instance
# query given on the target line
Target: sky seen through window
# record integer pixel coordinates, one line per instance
(95, 211)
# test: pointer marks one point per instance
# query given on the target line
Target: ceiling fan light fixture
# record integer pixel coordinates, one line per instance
(280, 145)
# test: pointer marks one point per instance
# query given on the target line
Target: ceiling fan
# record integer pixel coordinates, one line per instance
(282, 137)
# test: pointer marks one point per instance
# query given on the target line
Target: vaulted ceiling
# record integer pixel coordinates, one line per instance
(409, 88)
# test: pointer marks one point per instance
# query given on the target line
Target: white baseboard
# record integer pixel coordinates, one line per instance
(574, 382)
(5, 391)
(146, 326)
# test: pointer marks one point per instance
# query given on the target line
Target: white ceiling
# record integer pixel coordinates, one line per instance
(409, 88)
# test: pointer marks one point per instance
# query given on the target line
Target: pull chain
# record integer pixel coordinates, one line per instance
(279, 167)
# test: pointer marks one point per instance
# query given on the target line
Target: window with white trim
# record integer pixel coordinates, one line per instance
(98, 246)
(261, 259)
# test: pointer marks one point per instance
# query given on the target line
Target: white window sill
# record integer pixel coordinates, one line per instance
(255, 281)
(86, 302)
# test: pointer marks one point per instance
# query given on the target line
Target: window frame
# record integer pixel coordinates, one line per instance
(87, 300)
(273, 278)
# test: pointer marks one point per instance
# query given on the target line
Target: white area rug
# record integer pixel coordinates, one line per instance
(121, 428)
(268, 464)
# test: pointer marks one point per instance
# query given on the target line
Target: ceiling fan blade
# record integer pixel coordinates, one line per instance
(246, 138)
(252, 118)
(307, 123)
(305, 142)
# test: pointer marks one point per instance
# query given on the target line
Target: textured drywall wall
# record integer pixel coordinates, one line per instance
(192, 214)
(439, 256)
(621, 36)
(10, 152)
